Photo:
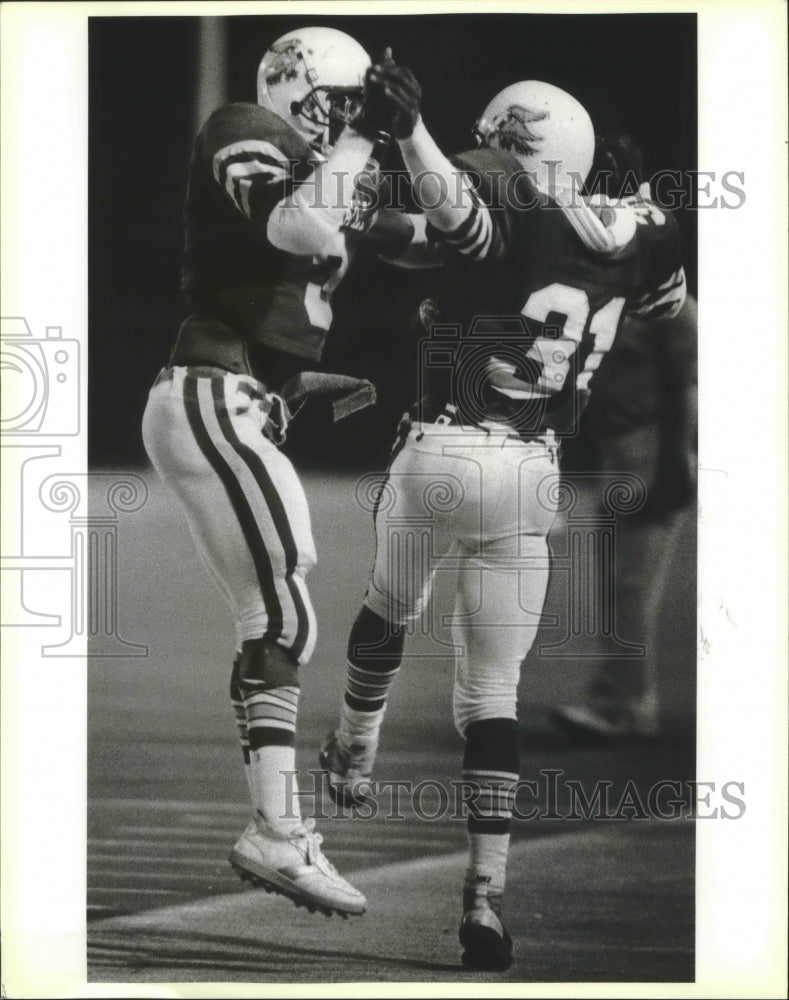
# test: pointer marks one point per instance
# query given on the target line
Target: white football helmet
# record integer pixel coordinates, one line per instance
(545, 128)
(313, 78)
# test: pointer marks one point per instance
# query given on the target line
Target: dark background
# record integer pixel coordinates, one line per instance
(634, 73)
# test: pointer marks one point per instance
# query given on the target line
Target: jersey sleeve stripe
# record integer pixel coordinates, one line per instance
(254, 147)
(465, 227)
(262, 152)
(477, 243)
(241, 177)
(488, 227)
(247, 160)
(676, 280)
(240, 160)
(533, 393)
(665, 301)
(472, 234)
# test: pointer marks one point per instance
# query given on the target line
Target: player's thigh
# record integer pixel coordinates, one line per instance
(500, 596)
(282, 510)
(265, 489)
(497, 613)
(414, 532)
(241, 496)
(511, 489)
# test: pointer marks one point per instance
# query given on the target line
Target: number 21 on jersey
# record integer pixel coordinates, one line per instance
(554, 353)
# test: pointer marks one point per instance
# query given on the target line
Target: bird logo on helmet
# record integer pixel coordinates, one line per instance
(286, 60)
(313, 79)
(559, 152)
(513, 132)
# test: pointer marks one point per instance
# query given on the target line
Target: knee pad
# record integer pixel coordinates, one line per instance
(394, 610)
(263, 665)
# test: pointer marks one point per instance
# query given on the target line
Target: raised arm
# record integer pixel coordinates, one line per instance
(445, 193)
(312, 215)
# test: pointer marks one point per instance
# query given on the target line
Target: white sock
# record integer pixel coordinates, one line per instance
(360, 727)
(488, 859)
(249, 774)
(275, 792)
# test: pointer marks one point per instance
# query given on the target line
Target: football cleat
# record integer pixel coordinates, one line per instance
(486, 943)
(293, 865)
(347, 771)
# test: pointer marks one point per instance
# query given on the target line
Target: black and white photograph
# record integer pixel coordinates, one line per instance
(373, 533)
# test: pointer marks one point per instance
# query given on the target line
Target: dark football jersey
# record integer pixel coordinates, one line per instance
(527, 309)
(249, 303)
(646, 371)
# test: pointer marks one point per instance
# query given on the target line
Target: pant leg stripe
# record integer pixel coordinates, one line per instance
(299, 585)
(276, 510)
(235, 492)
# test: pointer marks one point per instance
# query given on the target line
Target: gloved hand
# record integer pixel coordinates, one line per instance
(376, 113)
(404, 94)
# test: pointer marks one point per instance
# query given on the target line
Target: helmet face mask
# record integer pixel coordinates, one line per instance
(313, 79)
(327, 110)
(545, 128)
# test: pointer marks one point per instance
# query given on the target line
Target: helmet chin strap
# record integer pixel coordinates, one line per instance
(317, 135)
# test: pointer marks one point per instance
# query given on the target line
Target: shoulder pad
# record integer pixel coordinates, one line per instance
(486, 160)
(242, 120)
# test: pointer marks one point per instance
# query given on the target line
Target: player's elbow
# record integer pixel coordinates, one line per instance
(688, 313)
(676, 307)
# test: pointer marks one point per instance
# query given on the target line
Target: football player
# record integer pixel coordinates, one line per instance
(534, 286)
(271, 213)
(641, 419)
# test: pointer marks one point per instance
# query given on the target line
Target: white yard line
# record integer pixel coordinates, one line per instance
(394, 872)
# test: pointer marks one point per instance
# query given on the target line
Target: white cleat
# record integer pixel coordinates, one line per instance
(293, 865)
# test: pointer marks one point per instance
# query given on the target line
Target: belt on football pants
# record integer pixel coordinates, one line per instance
(276, 415)
(348, 394)
(492, 428)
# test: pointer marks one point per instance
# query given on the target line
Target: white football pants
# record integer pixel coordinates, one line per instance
(203, 430)
(481, 502)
